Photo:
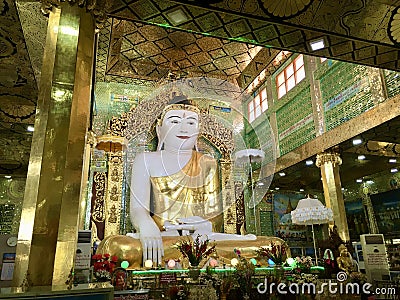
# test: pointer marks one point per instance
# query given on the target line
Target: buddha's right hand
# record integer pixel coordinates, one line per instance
(152, 245)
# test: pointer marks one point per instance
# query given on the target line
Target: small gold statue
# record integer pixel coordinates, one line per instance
(345, 261)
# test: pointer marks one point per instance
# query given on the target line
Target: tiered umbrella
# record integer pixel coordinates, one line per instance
(311, 211)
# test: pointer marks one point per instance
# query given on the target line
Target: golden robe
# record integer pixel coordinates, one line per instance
(193, 191)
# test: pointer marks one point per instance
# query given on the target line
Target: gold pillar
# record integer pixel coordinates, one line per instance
(48, 230)
(329, 163)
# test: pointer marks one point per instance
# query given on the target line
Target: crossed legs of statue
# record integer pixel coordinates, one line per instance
(130, 249)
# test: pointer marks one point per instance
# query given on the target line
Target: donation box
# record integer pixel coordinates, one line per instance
(375, 258)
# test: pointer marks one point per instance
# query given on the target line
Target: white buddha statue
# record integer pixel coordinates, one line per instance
(175, 188)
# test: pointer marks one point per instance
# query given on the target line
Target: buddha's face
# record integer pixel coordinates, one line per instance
(179, 130)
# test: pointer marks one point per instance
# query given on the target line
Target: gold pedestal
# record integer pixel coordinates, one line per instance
(130, 249)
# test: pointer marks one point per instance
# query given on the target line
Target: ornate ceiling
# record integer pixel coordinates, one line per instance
(361, 31)
(143, 40)
(149, 52)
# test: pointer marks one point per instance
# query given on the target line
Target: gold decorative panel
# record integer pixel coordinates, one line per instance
(114, 193)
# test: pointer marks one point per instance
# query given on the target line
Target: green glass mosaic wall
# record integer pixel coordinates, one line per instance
(113, 99)
(252, 140)
(295, 126)
(345, 92)
(392, 80)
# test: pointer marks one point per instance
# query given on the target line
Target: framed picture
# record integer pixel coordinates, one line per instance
(120, 279)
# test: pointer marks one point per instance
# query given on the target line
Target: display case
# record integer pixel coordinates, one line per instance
(91, 291)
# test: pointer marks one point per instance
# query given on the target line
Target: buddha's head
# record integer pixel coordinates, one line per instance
(344, 252)
(178, 127)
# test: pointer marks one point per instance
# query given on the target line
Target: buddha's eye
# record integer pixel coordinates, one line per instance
(175, 122)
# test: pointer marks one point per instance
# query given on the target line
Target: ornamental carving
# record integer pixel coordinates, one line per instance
(394, 26)
(239, 197)
(114, 193)
(98, 8)
(284, 8)
(142, 119)
(113, 215)
(100, 187)
(328, 157)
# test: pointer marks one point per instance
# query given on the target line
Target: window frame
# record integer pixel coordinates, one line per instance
(290, 76)
(257, 105)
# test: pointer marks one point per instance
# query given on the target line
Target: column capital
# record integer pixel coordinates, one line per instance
(98, 8)
(328, 156)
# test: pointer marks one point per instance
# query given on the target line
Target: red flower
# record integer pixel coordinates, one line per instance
(103, 265)
(277, 253)
(195, 250)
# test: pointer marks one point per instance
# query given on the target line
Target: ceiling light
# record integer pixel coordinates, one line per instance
(301, 190)
(30, 128)
(317, 44)
(177, 16)
(309, 162)
(369, 182)
(260, 183)
(277, 188)
(392, 160)
(359, 180)
(361, 157)
(282, 174)
(7, 176)
(394, 170)
(357, 141)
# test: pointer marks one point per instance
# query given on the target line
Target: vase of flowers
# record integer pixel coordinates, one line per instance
(303, 264)
(276, 253)
(195, 250)
(103, 266)
(244, 273)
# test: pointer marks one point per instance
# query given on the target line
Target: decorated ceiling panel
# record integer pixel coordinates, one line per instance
(360, 31)
(149, 52)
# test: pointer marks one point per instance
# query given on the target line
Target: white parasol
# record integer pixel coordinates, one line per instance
(311, 211)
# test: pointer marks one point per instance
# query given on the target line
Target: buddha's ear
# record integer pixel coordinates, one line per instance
(158, 131)
(160, 143)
